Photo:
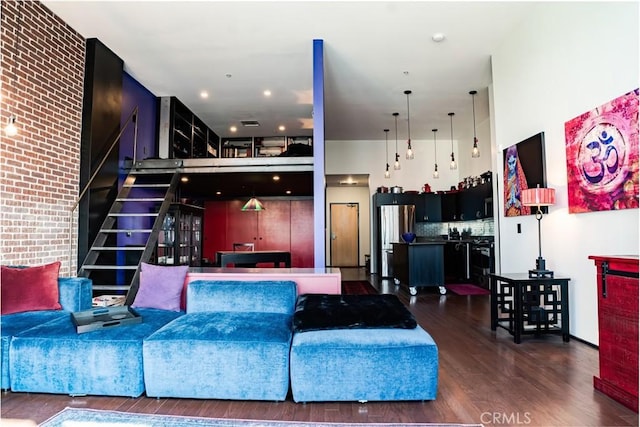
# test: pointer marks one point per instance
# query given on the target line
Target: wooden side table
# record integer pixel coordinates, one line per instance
(529, 305)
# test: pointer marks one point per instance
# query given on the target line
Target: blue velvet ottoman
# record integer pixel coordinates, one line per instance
(355, 360)
(54, 358)
(233, 343)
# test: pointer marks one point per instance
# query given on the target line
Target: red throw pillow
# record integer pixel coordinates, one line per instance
(29, 289)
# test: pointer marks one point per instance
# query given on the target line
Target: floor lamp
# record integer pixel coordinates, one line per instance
(539, 197)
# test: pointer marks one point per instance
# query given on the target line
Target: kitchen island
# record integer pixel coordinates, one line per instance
(419, 264)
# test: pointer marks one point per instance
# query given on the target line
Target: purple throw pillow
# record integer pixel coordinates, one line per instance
(160, 287)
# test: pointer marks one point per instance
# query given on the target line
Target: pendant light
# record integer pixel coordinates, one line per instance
(396, 164)
(452, 165)
(387, 174)
(409, 155)
(253, 205)
(11, 129)
(436, 174)
(475, 152)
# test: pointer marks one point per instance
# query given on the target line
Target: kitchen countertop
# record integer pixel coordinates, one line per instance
(466, 240)
(429, 242)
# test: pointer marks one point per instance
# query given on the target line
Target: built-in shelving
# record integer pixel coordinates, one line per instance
(180, 238)
(182, 135)
(273, 146)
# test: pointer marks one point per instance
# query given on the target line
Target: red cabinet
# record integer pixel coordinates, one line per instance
(284, 225)
(617, 280)
(274, 226)
(302, 233)
(214, 230)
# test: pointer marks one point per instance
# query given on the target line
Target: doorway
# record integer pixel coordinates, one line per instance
(344, 234)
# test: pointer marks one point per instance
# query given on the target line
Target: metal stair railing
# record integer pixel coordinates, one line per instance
(153, 237)
(111, 220)
(131, 119)
(147, 250)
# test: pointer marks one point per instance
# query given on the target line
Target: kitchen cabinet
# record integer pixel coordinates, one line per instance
(457, 261)
(181, 134)
(382, 199)
(450, 206)
(180, 237)
(468, 204)
(419, 265)
(474, 202)
(284, 225)
(428, 208)
(617, 282)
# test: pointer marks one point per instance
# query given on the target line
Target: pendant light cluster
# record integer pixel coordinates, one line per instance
(387, 173)
(453, 165)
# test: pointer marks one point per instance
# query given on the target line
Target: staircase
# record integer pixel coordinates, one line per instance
(129, 233)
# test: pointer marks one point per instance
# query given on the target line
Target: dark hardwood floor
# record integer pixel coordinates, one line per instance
(484, 378)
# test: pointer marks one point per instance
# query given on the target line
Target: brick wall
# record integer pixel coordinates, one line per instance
(42, 85)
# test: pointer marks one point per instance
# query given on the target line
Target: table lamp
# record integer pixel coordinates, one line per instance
(539, 197)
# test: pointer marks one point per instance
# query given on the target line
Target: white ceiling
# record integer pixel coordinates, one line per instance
(374, 51)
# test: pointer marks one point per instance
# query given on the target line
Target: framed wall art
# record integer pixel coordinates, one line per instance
(524, 167)
(602, 157)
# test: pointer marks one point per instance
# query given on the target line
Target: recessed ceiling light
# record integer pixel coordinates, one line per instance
(437, 37)
(281, 128)
(233, 129)
(267, 93)
(204, 94)
(218, 193)
(276, 177)
(184, 179)
(288, 192)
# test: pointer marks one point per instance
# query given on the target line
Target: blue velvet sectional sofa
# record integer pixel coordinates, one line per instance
(236, 340)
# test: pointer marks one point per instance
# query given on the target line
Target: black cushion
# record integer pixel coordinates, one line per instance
(318, 312)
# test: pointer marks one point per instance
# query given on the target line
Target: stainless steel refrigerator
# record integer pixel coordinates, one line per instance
(394, 220)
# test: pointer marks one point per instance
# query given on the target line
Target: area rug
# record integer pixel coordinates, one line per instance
(467, 289)
(358, 287)
(72, 417)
